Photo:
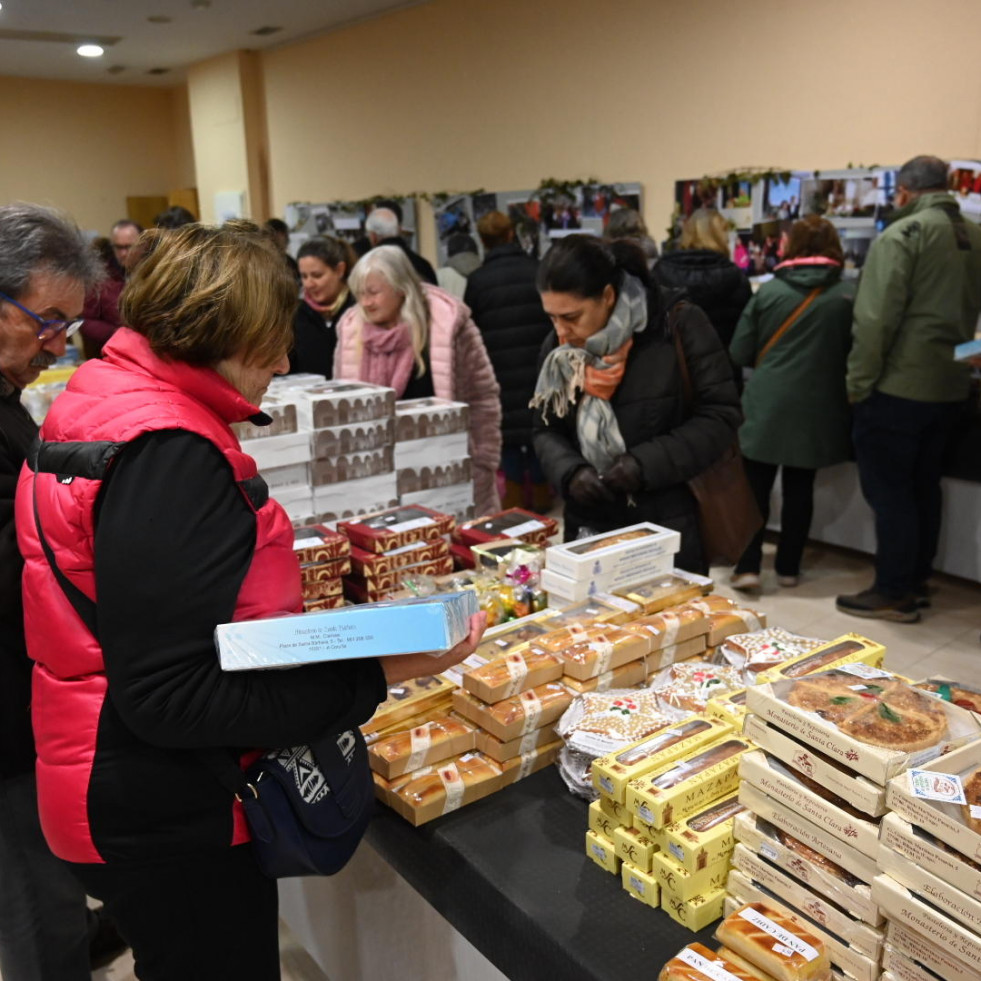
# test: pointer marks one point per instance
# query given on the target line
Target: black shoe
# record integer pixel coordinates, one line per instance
(922, 595)
(875, 606)
(107, 943)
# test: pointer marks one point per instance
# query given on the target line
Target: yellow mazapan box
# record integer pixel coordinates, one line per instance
(681, 789)
(634, 846)
(613, 772)
(603, 852)
(729, 708)
(685, 885)
(705, 838)
(616, 810)
(847, 649)
(640, 884)
(601, 822)
(696, 913)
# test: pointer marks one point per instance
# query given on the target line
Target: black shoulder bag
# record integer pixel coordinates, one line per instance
(307, 806)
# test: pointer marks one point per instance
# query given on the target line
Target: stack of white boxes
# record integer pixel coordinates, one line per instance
(432, 455)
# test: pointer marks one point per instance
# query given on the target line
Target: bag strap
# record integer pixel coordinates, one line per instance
(788, 323)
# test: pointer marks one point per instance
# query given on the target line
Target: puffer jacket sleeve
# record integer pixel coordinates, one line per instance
(700, 439)
(345, 354)
(475, 384)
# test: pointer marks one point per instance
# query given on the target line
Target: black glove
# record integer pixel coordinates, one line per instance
(625, 475)
(586, 488)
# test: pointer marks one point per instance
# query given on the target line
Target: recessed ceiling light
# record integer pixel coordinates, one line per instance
(90, 50)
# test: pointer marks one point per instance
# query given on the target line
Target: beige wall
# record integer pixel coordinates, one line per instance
(458, 94)
(183, 147)
(85, 148)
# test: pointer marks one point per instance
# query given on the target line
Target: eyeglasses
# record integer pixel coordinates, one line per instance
(49, 328)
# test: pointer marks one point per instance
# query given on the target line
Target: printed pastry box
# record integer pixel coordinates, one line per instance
(295, 475)
(511, 673)
(697, 963)
(282, 419)
(409, 626)
(670, 627)
(933, 889)
(902, 904)
(352, 438)
(668, 589)
(591, 658)
(605, 554)
(633, 846)
(865, 938)
(519, 767)
(868, 720)
(912, 944)
(412, 480)
(640, 884)
(696, 913)
(861, 793)
(603, 852)
(338, 498)
(323, 603)
(371, 564)
(681, 884)
(683, 788)
(897, 967)
(807, 833)
(431, 742)
(417, 454)
(855, 964)
(601, 822)
(847, 649)
(725, 619)
(425, 417)
(409, 698)
(358, 593)
(376, 582)
(932, 854)
(286, 450)
(604, 609)
(775, 944)
(621, 815)
(566, 590)
(705, 838)
(336, 403)
(961, 694)
(502, 750)
(394, 528)
(505, 637)
(513, 523)
(322, 588)
(435, 791)
(682, 651)
(613, 772)
(730, 708)
(517, 716)
(352, 467)
(456, 500)
(810, 867)
(779, 782)
(626, 676)
(353, 511)
(318, 578)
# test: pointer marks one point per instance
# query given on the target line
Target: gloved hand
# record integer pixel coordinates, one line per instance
(586, 488)
(624, 476)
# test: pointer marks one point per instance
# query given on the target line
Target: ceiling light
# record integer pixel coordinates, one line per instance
(90, 50)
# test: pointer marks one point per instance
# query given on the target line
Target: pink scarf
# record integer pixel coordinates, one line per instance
(327, 311)
(386, 356)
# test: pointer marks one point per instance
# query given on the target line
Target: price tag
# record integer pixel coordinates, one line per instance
(930, 785)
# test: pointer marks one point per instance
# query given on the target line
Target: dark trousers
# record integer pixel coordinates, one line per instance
(797, 486)
(194, 917)
(899, 446)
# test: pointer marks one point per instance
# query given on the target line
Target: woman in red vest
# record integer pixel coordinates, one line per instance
(148, 503)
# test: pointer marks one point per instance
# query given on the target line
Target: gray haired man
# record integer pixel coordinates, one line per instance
(45, 269)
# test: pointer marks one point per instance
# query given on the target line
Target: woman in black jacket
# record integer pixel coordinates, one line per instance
(325, 263)
(613, 432)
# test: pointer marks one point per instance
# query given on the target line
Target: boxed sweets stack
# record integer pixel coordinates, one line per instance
(929, 882)
(325, 557)
(514, 523)
(432, 456)
(608, 562)
(391, 545)
(352, 469)
(830, 740)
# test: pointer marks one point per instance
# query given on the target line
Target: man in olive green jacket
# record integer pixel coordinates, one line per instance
(919, 296)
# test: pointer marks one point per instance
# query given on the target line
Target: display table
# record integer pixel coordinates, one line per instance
(510, 875)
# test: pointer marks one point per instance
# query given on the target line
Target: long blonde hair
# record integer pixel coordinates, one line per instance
(705, 229)
(393, 264)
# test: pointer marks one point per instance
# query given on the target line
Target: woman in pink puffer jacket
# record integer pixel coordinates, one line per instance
(421, 341)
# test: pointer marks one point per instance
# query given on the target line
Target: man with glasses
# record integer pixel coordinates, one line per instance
(45, 269)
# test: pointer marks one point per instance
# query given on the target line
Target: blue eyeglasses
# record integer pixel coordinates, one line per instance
(49, 328)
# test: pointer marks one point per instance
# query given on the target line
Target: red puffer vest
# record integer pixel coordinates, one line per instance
(111, 402)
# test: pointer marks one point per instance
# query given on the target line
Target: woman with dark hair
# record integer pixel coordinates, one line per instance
(614, 432)
(325, 264)
(796, 333)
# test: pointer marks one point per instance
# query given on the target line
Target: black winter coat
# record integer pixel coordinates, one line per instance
(712, 282)
(508, 311)
(314, 339)
(670, 446)
(17, 430)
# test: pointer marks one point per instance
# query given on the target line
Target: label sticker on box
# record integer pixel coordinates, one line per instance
(637, 885)
(930, 785)
(411, 525)
(525, 529)
(711, 969)
(975, 810)
(768, 851)
(864, 671)
(786, 939)
(676, 850)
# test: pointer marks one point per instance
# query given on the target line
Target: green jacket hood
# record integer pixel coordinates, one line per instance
(808, 274)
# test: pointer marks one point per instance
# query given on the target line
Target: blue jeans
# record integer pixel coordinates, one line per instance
(899, 446)
(44, 932)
